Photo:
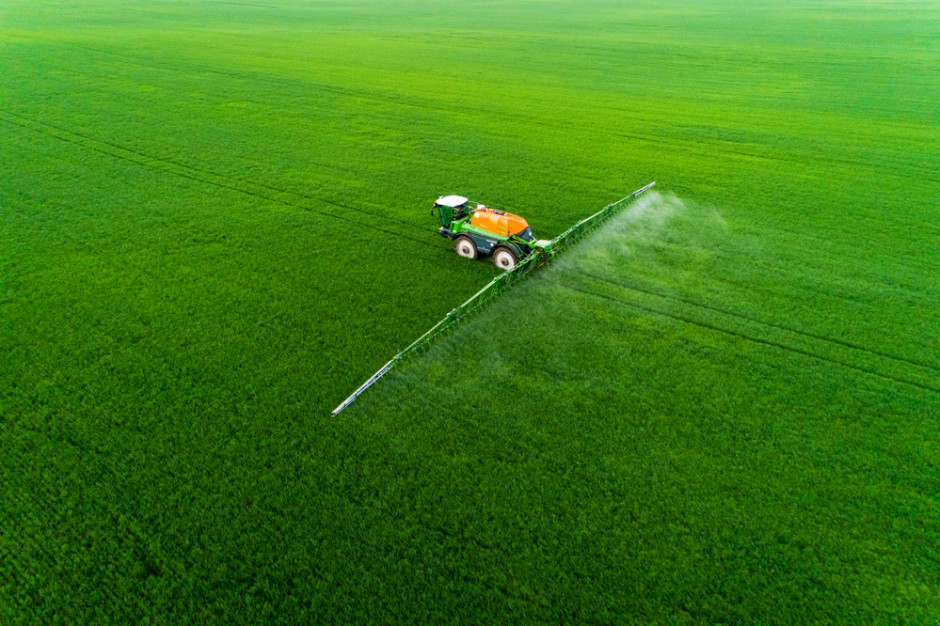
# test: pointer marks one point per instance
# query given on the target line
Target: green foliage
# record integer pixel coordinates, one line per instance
(215, 223)
(685, 459)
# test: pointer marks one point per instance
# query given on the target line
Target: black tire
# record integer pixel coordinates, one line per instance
(504, 258)
(465, 247)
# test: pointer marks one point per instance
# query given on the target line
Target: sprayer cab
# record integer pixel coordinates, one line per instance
(477, 229)
(450, 208)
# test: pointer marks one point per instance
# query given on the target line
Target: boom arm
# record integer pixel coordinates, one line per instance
(588, 224)
(498, 284)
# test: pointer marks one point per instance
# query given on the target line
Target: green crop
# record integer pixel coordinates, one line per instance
(215, 224)
(688, 459)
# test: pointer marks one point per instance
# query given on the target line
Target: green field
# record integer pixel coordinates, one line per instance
(215, 224)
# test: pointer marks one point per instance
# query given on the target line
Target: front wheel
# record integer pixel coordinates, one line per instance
(504, 258)
(465, 247)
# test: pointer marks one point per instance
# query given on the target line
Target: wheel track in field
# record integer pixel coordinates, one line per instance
(231, 182)
(415, 102)
(688, 144)
(747, 337)
(702, 147)
(262, 191)
(748, 318)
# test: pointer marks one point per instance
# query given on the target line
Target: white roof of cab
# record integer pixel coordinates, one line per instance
(451, 201)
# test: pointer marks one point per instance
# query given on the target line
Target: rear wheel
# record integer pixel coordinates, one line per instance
(504, 258)
(465, 247)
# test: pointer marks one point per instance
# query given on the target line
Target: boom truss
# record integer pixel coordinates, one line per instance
(496, 286)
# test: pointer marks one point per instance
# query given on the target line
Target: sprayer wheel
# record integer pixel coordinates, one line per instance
(504, 258)
(465, 247)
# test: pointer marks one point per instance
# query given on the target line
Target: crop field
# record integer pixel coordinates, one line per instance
(215, 224)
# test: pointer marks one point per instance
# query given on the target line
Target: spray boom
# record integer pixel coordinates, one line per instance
(545, 251)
